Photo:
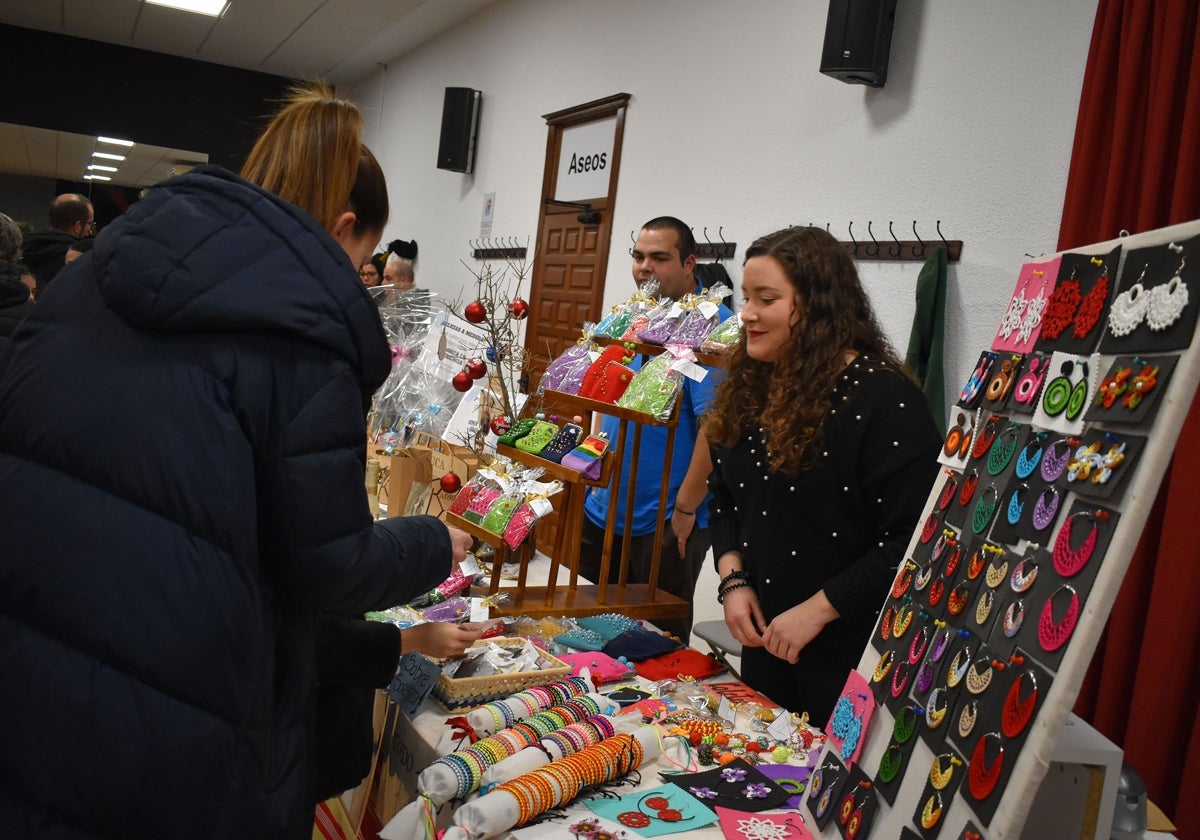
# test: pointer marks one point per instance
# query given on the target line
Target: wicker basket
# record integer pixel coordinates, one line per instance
(468, 692)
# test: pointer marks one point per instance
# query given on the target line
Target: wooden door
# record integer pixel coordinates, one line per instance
(571, 256)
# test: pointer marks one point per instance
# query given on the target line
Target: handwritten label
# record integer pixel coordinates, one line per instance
(480, 611)
(689, 369)
(469, 566)
(708, 309)
(782, 727)
(413, 682)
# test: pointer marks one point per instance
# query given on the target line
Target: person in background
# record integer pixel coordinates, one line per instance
(78, 248)
(182, 420)
(71, 218)
(665, 250)
(823, 455)
(15, 302)
(399, 274)
(369, 273)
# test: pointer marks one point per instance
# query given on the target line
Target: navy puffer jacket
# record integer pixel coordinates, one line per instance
(181, 489)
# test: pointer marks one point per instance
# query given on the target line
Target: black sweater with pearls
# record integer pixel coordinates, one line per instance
(843, 524)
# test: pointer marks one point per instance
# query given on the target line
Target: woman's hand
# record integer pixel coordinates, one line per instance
(439, 639)
(744, 616)
(791, 631)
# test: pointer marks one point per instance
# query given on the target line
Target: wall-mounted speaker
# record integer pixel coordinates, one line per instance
(858, 40)
(460, 128)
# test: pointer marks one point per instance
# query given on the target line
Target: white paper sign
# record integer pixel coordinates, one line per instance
(725, 709)
(782, 727)
(585, 160)
(489, 210)
(480, 611)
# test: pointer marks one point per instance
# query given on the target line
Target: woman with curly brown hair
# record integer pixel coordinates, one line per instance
(823, 454)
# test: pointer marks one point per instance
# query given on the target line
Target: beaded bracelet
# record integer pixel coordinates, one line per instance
(736, 574)
(724, 592)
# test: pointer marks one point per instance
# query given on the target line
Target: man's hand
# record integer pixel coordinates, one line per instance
(791, 631)
(682, 525)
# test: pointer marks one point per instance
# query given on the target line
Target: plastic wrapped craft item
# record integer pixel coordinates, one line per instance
(499, 511)
(724, 337)
(660, 329)
(701, 319)
(655, 388)
(566, 372)
(520, 523)
(620, 322)
(615, 380)
(480, 504)
(595, 372)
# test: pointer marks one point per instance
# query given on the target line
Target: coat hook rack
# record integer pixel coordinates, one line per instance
(900, 250)
(709, 250)
(498, 249)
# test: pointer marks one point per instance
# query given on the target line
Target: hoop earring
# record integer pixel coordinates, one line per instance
(981, 516)
(1027, 463)
(1054, 634)
(1045, 512)
(1053, 465)
(1069, 561)
(1016, 504)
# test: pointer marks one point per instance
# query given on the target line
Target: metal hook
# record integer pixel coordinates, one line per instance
(921, 241)
(939, 233)
(721, 236)
(896, 252)
(871, 234)
(827, 230)
(854, 249)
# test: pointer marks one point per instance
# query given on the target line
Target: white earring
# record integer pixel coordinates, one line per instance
(1128, 309)
(1167, 302)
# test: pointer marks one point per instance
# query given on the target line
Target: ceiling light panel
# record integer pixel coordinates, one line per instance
(212, 8)
(107, 156)
(113, 141)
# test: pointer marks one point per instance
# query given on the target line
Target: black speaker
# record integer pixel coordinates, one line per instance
(460, 127)
(858, 39)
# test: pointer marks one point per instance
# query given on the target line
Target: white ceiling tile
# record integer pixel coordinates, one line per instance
(111, 21)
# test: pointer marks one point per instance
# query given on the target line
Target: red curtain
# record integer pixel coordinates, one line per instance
(1136, 166)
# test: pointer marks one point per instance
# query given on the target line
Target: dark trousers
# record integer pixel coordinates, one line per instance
(676, 575)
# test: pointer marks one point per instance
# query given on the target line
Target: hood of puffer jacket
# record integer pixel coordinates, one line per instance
(45, 245)
(210, 252)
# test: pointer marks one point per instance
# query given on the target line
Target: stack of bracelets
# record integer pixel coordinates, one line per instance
(504, 713)
(561, 781)
(737, 579)
(580, 714)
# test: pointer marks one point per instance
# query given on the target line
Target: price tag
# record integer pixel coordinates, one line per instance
(469, 566)
(725, 710)
(414, 680)
(782, 727)
(690, 369)
(708, 309)
(594, 355)
(480, 611)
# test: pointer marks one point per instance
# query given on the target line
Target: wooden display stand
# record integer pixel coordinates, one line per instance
(636, 600)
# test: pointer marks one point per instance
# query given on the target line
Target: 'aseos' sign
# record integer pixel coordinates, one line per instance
(584, 158)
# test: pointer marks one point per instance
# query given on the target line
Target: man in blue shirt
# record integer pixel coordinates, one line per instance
(665, 250)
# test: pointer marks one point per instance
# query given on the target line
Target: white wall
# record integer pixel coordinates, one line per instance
(732, 125)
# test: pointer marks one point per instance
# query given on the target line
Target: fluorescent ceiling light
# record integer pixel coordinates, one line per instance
(107, 156)
(100, 168)
(96, 178)
(113, 141)
(212, 8)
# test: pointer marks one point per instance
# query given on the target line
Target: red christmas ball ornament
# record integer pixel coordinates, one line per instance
(500, 425)
(451, 483)
(475, 368)
(475, 312)
(518, 309)
(461, 381)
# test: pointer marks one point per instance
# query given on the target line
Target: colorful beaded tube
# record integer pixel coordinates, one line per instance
(500, 714)
(561, 781)
(469, 763)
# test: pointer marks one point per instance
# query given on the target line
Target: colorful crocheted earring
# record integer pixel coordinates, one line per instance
(1068, 560)
(1054, 634)
(1128, 308)
(1030, 382)
(983, 775)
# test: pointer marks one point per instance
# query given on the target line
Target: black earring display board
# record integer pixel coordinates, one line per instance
(1130, 376)
(1082, 279)
(1161, 264)
(942, 780)
(1003, 380)
(1096, 457)
(1000, 814)
(971, 394)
